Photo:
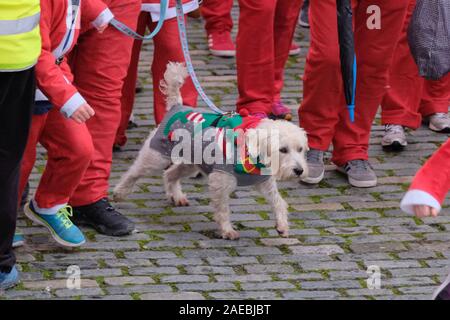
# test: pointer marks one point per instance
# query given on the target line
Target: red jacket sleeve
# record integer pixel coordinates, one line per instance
(53, 80)
(434, 176)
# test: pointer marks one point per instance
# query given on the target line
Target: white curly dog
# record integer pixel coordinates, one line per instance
(289, 150)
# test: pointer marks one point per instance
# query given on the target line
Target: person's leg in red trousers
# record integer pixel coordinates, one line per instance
(167, 48)
(29, 156)
(434, 104)
(70, 149)
(217, 15)
(374, 51)
(323, 99)
(435, 96)
(129, 86)
(257, 58)
(401, 101)
(286, 17)
(100, 64)
(323, 112)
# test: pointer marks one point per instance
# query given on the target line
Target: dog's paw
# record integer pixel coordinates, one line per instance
(119, 195)
(230, 235)
(283, 230)
(180, 202)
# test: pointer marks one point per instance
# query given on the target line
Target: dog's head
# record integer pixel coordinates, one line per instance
(281, 146)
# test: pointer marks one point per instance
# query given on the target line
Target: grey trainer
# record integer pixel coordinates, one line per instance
(439, 122)
(316, 167)
(359, 173)
(394, 137)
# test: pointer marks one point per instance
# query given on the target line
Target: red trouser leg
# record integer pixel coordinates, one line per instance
(323, 113)
(129, 85)
(261, 28)
(435, 96)
(168, 48)
(374, 51)
(217, 14)
(286, 17)
(400, 105)
(434, 176)
(323, 99)
(29, 156)
(100, 64)
(69, 147)
(255, 55)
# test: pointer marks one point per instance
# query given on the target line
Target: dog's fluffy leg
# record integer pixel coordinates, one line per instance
(221, 185)
(279, 206)
(172, 182)
(148, 162)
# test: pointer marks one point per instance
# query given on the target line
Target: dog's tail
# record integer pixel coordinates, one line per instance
(173, 80)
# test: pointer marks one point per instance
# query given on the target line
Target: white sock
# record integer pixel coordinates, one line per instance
(47, 211)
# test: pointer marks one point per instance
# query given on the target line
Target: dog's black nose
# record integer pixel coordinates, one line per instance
(298, 172)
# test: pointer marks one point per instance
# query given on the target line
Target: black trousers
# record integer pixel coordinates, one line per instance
(17, 90)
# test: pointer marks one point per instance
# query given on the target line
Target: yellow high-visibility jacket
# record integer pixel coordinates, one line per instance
(20, 40)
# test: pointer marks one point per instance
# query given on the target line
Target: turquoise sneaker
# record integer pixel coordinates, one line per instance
(61, 228)
(9, 280)
(18, 241)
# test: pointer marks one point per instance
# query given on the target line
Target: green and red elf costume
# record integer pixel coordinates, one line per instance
(227, 130)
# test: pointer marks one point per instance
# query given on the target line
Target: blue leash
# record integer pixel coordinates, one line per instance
(187, 57)
(131, 33)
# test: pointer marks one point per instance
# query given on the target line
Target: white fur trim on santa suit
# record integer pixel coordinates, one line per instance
(72, 105)
(416, 198)
(153, 9)
(103, 18)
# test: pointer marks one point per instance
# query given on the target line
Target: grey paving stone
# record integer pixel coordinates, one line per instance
(184, 278)
(172, 296)
(304, 294)
(267, 285)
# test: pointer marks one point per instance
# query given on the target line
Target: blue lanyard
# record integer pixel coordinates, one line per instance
(187, 57)
(131, 33)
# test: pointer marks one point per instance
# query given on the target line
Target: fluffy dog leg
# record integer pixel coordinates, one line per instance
(220, 186)
(172, 183)
(279, 206)
(148, 162)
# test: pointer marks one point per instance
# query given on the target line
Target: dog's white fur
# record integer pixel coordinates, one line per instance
(150, 162)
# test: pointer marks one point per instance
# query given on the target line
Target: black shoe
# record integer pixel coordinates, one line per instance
(102, 216)
(132, 125)
(117, 148)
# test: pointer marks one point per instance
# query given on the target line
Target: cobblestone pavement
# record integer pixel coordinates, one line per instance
(336, 231)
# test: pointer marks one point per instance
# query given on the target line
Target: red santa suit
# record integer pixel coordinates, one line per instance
(410, 97)
(99, 64)
(68, 143)
(217, 15)
(266, 29)
(167, 48)
(431, 184)
(323, 113)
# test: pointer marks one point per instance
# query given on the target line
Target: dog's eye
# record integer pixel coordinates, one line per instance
(300, 149)
(284, 150)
